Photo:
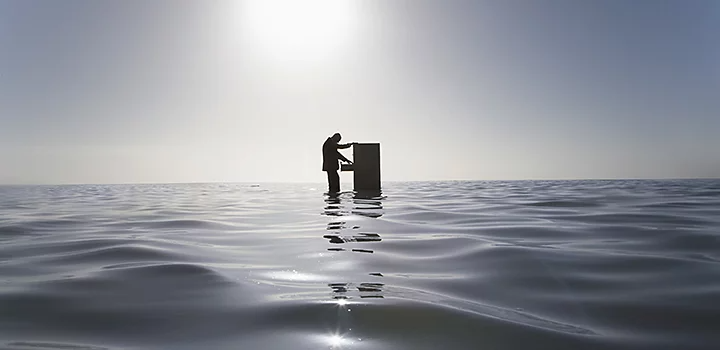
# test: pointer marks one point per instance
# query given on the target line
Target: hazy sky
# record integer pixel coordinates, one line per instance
(192, 91)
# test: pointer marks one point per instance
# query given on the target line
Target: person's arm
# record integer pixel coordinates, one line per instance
(345, 145)
(342, 157)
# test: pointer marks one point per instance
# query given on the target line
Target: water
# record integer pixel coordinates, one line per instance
(436, 265)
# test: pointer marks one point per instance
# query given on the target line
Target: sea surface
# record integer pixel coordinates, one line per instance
(422, 265)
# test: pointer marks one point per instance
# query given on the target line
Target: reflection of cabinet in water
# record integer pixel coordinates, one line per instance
(365, 167)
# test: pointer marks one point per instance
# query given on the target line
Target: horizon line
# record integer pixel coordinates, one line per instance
(349, 182)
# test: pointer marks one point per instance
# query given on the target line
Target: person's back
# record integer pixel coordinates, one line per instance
(330, 158)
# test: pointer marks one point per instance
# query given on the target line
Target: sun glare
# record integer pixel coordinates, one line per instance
(298, 29)
(338, 341)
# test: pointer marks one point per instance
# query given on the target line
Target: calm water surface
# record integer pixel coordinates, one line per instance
(436, 265)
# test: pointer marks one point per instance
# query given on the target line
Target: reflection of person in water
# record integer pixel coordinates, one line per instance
(331, 155)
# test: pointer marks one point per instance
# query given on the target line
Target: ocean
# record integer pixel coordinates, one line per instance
(611, 264)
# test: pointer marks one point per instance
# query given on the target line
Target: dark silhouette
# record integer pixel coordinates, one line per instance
(331, 155)
(341, 233)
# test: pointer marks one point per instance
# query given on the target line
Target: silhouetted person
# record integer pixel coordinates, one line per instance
(331, 155)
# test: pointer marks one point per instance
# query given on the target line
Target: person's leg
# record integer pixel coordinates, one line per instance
(334, 181)
(329, 177)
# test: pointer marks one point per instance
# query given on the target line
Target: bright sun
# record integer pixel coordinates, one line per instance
(298, 29)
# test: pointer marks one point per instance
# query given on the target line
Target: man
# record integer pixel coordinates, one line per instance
(330, 160)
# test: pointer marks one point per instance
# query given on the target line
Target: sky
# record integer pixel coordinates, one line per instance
(158, 91)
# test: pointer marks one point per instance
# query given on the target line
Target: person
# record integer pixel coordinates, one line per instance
(330, 160)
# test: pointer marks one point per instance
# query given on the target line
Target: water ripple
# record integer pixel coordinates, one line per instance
(631, 264)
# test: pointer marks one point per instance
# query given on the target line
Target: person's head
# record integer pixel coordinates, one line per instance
(337, 137)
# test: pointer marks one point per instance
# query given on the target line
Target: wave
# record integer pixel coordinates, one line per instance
(502, 265)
